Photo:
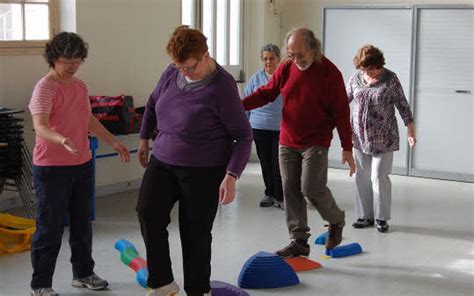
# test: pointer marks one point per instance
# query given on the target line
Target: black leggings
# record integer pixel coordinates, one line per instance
(197, 190)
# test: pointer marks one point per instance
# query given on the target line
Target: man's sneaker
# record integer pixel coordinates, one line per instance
(170, 289)
(382, 225)
(92, 282)
(43, 292)
(362, 223)
(294, 249)
(279, 204)
(334, 235)
(266, 202)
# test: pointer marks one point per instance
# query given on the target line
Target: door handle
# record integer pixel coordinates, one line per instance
(462, 91)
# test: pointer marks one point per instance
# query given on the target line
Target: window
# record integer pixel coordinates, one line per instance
(221, 21)
(25, 25)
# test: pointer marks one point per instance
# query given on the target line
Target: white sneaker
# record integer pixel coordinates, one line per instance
(92, 282)
(170, 289)
(44, 292)
(279, 204)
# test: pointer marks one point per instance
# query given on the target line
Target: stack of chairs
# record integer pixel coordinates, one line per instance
(15, 159)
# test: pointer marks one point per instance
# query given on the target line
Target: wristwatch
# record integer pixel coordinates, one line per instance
(232, 174)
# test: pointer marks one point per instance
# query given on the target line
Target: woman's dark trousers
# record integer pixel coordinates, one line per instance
(266, 142)
(61, 191)
(197, 190)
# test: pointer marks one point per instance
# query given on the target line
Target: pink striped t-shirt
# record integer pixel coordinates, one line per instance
(69, 111)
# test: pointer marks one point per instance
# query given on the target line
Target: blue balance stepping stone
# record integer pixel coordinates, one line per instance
(266, 270)
(225, 289)
(345, 250)
(142, 277)
(321, 239)
(122, 244)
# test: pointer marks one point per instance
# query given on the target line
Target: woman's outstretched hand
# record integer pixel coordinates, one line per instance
(122, 151)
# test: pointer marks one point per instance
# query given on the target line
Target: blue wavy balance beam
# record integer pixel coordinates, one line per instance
(129, 256)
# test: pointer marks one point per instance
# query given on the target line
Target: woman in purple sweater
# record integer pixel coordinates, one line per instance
(201, 148)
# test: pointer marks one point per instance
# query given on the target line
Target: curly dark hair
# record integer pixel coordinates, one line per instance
(369, 56)
(186, 43)
(66, 45)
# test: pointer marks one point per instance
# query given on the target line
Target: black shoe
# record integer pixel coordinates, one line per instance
(382, 225)
(294, 249)
(266, 202)
(362, 223)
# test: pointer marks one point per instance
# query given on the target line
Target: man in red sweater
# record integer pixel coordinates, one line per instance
(314, 103)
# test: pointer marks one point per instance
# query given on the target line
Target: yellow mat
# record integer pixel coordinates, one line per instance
(15, 234)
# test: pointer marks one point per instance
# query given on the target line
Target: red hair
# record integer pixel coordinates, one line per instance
(369, 56)
(186, 43)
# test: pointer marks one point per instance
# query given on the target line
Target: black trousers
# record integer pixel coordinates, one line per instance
(266, 142)
(62, 190)
(197, 190)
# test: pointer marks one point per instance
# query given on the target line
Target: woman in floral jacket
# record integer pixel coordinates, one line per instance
(375, 92)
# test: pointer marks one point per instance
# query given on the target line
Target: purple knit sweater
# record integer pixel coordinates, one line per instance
(198, 128)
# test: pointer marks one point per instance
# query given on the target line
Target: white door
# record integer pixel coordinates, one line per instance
(444, 94)
(346, 29)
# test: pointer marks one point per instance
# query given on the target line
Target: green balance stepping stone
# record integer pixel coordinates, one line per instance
(128, 255)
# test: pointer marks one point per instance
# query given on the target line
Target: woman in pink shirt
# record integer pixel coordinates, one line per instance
(62, 166)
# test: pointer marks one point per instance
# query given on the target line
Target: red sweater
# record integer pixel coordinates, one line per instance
(314, 102)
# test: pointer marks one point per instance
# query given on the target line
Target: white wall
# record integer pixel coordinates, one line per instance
(127, 43)
(261, 26)
(67, 15)
(308, 13)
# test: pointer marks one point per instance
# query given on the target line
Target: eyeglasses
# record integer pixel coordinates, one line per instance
(298, 56)
(187, 69)
(71, 62)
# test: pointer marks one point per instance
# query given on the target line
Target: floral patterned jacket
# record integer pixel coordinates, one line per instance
(374, 125)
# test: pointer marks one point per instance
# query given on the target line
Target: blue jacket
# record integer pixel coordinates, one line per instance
(267, 117)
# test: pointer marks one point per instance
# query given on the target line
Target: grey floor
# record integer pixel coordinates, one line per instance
(429, 249)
